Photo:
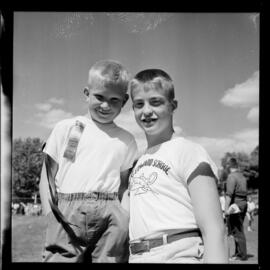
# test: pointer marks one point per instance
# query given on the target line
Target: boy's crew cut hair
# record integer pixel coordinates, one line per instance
(106, 73)
(153, 77)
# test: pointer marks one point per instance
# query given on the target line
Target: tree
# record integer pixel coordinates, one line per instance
(27, 159)
(242, 158)
(254, 159)
(254, 168)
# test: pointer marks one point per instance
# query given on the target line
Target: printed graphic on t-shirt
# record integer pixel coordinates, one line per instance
(142, 183)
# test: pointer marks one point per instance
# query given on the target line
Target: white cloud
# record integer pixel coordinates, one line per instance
(46, 106)
(253, 115)
(58, 101)
(43, 106)
(242, 141)
(48, 115)
(50, 118)
(249, 136)
(244, 95)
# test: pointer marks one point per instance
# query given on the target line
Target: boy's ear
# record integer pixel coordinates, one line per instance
(126, 97)
(174, 104)
(86, 92)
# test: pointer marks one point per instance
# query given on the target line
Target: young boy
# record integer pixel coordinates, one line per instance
(174, 202)
(87, 161)
(250, 213)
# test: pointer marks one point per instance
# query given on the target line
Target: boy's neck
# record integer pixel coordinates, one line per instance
(88, 115)
(153, 140)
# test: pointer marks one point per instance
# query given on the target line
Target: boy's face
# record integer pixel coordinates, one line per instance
(153, 111)
(105, 103)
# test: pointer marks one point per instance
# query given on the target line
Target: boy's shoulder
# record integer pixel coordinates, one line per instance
(65, 123)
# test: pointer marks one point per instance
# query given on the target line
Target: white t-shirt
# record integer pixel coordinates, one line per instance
(222, 202)
(251, 206)
(159, 197)
(102, 153)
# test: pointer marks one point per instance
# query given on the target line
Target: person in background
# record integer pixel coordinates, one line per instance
(250, 213)
(236, 194)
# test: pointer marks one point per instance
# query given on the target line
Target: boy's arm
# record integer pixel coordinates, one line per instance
(44, 184)
(208, 214)
(230, 185)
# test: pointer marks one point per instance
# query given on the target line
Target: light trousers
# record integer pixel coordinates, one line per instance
(186, 250)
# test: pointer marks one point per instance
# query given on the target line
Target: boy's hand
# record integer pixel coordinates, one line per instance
(123, 184)
(125, 200)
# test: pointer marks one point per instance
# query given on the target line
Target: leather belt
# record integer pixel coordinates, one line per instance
(146, 245)
(89, 195)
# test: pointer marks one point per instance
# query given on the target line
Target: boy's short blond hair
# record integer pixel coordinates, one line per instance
(156, 78)
(106, 73)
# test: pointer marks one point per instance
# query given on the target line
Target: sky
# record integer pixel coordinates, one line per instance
(213, 59)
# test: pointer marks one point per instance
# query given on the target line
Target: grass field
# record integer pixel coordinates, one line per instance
(28, 234)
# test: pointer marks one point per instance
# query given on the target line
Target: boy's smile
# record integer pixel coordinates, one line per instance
(148, 121)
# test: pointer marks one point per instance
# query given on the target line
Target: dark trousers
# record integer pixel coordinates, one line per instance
(236, 229)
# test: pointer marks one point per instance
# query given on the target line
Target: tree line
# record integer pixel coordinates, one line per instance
(248, 164)
(27, 159)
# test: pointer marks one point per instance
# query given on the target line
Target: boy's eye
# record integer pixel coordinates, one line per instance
(156, 102)
(99, 97)
(115, 100)
(138, 104)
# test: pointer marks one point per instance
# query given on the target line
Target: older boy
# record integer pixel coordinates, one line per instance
(174, 203)
(86, 157)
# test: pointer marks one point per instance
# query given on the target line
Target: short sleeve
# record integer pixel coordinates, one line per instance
(131, 155)
(191, 155)
(55, 142)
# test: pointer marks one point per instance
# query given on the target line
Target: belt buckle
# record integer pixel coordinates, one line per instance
(165, 239)
(146, 243)
(144, 247)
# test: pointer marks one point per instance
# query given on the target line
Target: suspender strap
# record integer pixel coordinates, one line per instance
(70, 152)
(56, 211)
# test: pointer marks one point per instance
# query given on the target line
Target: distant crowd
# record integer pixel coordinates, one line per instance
(28, 209)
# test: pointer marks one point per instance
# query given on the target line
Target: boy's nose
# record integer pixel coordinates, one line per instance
(147, 110)
(105, 105)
